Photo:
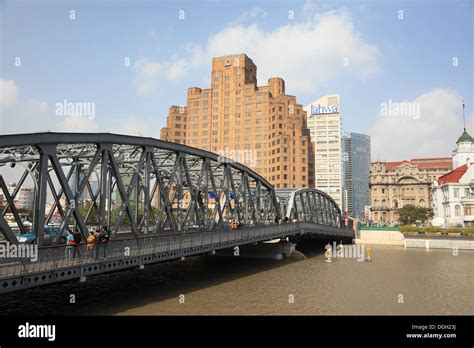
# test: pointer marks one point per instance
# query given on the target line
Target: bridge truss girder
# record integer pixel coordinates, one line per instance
(135, 184)
(309, 205)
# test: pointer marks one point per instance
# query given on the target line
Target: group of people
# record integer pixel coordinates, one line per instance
(238, 224)
(96, 240)
(284, 220)
(234, 225)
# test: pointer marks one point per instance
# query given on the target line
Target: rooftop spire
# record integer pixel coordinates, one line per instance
(463, 115)
(465, 137)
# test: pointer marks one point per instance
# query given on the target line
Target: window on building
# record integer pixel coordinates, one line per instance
(457, 210)
(469, 209)
(456, 192)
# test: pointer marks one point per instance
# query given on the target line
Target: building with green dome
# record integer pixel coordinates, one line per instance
(464, 151)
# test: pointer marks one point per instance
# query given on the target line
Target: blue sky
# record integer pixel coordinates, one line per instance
(82, 60)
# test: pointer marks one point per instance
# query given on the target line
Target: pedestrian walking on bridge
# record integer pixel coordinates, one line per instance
(70, 244)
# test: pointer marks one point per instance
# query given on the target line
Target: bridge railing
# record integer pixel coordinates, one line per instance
(57, 258)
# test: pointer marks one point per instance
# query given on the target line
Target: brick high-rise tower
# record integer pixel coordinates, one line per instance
(258, 126)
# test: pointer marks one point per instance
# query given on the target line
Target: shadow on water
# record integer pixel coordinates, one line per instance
(115, 292)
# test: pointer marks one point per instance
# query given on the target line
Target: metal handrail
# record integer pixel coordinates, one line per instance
(56, 258)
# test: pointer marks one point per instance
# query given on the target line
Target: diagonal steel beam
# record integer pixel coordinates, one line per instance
(163, 193)
(56, 199)
(70, 196)
(11, 203)
(60, 194)
(7, 231)
(125, 194)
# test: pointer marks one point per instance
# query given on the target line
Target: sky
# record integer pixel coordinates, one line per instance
(131, 60)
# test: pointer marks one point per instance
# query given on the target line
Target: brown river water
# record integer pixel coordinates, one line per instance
(398, 281)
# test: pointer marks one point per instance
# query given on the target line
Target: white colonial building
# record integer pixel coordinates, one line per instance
(464, 152)
(453, 197)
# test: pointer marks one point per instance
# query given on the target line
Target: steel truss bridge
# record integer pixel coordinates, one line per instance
(160, 200)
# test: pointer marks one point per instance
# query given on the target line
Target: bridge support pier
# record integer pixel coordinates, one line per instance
(274, 250)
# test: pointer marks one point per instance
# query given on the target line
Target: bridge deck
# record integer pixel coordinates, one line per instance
(52, 265)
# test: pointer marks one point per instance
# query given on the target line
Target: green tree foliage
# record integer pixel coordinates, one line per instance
(410, 214)
(93, 217)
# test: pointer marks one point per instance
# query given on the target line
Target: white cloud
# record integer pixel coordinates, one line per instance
(76, 124)
(34, 115)
(129, 126)
(433, 133)
(146, 74)
(8, 93)
(147, 68)
(305, 54)
(176, 70)
(143, 87)
(20, 116)
(132, 126)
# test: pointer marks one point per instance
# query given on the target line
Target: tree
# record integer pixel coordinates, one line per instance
(93, 217)
(410, 214)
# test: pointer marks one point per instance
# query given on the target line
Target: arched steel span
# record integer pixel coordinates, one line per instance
(310, 205)
(137, 184)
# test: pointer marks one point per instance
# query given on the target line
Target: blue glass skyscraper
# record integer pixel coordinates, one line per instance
(356, 171)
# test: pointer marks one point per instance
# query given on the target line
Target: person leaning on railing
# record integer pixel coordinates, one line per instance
(103, 238)
(90, 243)
(77, 240)
(97, 242)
